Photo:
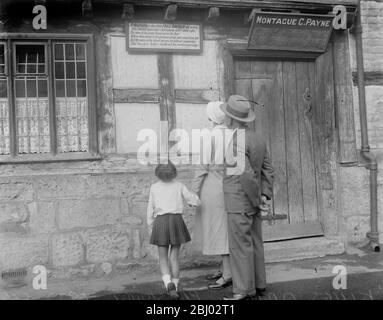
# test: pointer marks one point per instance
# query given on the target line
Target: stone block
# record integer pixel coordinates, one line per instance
(60, 187)
(13, 217)
(23, 251)
(355, 191)
(106, 244)
(13, 189)
(88, 213)
(132, 220)
(108, 185)
(139, 208)
(42, 217)
(357, 228)
(126, 206)
(67, 249)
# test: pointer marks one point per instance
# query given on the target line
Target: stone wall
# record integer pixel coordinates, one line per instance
(356, 180)
(78, 219)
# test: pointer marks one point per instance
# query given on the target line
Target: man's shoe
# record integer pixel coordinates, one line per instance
(172, 291)
(220, 284)
(214, 276)
(237, 297)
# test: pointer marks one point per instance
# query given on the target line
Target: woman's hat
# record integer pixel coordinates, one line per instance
(214, 112)
(238, 107)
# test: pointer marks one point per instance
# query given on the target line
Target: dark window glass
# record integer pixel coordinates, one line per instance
(41, 68)
(31, 68)
(69, 51)
(80, 51)
(31, 56)
(60, 88)
(2, 57)
(3, 88)
(70, 88)
(59, 52)
(81, 88)
(43, 89)
(59, 70)
(2, 69)
(21, 68)
(70, 72)
(20, 88)
(81, 70)
(31, 89)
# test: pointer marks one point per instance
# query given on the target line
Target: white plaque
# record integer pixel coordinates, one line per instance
(164, 37)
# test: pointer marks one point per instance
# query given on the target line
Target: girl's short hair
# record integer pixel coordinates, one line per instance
(166, 172)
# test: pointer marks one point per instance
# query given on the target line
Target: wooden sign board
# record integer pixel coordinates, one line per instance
(164, 37)
(290, 32)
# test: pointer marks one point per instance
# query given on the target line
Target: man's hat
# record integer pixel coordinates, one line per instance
(238, 107)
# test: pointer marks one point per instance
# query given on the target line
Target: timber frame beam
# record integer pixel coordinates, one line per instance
(350, 5)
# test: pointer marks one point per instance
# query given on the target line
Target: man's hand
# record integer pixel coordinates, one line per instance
(265, 204)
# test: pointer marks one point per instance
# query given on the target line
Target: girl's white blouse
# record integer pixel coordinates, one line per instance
(169, 197)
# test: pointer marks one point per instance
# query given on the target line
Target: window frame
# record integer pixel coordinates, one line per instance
(10, 40)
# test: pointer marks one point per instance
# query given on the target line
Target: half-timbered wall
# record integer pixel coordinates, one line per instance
(80, 214)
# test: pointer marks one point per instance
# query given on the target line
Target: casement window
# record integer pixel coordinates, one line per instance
(47, 99)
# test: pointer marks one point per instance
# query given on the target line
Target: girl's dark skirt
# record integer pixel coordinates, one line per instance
(169, 229)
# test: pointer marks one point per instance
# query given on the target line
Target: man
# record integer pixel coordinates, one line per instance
(247, 187)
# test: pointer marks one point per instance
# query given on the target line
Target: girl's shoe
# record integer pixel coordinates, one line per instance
(172, 292)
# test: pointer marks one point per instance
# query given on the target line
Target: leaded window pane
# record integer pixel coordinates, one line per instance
(71, 97)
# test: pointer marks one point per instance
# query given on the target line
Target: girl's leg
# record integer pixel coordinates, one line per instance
(163, 253)
(174, 263)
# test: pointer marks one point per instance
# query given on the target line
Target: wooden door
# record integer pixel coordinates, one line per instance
(284, 88)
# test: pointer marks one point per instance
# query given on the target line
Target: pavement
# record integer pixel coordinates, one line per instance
(311, 279)
(359, 271)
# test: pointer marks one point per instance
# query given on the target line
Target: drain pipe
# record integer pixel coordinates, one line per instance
(367, 156)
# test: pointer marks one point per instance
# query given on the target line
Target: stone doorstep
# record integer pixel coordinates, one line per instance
(304, 248)
(276, 253)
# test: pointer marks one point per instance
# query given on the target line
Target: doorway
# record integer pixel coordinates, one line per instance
(283, 90)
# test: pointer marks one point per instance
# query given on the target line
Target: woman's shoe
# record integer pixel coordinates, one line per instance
(172, 291)
(220, 284)
(214, 276)
(237, 296)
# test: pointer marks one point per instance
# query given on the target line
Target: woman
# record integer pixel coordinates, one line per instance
(211, 219)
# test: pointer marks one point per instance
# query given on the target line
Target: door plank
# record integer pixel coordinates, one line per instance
(261, 93)
(306, 141)
(242, 69)
(315, 131)
(278, 144)
(294, 173)
(291, 231)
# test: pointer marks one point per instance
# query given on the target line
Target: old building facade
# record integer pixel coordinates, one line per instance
(73, 98)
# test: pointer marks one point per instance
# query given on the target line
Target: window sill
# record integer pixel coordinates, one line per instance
(49, 158)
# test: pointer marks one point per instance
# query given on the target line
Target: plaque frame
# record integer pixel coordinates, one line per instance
(283, 14)
(154, 50)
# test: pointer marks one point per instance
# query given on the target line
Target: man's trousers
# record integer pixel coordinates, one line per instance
(247, 258)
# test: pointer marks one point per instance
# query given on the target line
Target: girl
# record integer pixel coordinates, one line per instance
(169, 231)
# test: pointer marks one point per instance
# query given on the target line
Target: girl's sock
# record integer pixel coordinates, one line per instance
(175, 281)
(166, 279)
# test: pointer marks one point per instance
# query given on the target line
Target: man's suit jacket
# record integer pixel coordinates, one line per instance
(243, 191)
